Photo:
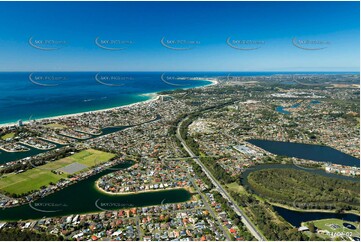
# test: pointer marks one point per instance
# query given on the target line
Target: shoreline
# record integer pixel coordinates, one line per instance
(153, 96)
(102, 210)
(313, 210)
(139, 192)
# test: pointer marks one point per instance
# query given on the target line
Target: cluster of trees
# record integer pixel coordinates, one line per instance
(217, 170)
(192, 144)
(11, 234)
(263, 216)
(304, 190)
(172, 131)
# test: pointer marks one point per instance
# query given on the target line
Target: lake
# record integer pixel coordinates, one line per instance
(282, 110)
(306, 151)
(295, 217)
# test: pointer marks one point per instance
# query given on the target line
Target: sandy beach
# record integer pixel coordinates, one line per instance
(152, 97)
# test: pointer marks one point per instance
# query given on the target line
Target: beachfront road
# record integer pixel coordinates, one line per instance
(220, 189)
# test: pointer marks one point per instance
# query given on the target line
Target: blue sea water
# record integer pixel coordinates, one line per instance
(25, 95)
(38, 95)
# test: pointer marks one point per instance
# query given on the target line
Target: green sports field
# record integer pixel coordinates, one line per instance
(35, 178)
(7, 136)
(335, 228)
(56, 126)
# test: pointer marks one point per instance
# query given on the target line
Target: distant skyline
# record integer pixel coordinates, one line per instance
(180, 36)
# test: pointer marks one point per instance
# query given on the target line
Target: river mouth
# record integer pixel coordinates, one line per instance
(294, 217)
(83, 197)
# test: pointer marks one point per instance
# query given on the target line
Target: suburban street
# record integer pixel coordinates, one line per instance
(220, 189)
(204, 199)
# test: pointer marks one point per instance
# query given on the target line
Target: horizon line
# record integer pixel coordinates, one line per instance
(294, 71)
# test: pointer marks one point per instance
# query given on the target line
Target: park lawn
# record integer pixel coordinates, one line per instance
(35, 178)
(91, 157)
(323, 224)
(201, 154)
(57, 164)
(29, 180)
(56, 126)
(234, 187)
(7, 136)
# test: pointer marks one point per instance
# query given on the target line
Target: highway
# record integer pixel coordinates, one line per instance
(221, 190)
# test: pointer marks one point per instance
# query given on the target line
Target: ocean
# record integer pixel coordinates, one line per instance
(29, 96)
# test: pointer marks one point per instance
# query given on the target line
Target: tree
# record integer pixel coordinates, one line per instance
(236, 221)
(311, 227)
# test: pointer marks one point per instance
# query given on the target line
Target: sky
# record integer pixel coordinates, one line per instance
(197, 36)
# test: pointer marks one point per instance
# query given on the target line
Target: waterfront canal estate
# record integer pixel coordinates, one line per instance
(180, 121)
(147, 165)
